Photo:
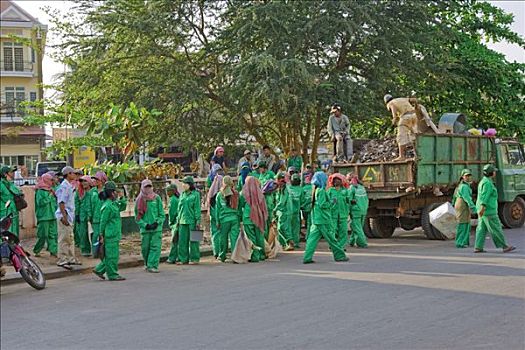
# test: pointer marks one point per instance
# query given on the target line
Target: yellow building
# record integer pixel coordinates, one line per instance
(21, 80)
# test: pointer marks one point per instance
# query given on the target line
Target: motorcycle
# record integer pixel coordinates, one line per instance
(11, 251)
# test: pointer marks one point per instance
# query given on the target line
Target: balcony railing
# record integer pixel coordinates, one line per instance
(11, 114)
(16, 66)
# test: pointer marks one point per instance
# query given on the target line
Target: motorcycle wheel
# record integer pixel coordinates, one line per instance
(32, 273)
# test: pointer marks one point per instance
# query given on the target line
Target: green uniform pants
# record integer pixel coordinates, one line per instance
(325, 231)
(187, 250)
(76, 237)
(341, 231)
(268, 225)
(46, 233)
(257, 237)
(229, 230)
(174, 250)
(492, 224)
(95, 235)
(109, 265)
(307, 217)
(295, 228)
(151, 246)
(82, 232)
(463, 235)
(284, 229)
(358, 236)
(215, 237)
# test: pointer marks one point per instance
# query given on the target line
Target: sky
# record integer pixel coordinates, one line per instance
(52, 68)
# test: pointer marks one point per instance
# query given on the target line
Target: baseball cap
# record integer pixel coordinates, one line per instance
(247, 152)
(465, 172)
(68, 170)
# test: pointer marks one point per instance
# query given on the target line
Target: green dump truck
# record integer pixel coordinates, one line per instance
(403, 193)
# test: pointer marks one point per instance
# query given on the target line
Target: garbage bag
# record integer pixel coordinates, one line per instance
(272, 246)
(243, 249)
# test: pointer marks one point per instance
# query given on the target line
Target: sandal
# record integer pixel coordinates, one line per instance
(509, 249)
(479, 251)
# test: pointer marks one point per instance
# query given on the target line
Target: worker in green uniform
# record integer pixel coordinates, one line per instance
(8, 190)
(296, 193)
(227, 216)
(110, 231)
(100, 180)
(336, 189)
(306, 200)
(189, 218)
(358, 209)
(464, 205)
(173, 195)
(322, 207)
(295, 160)
(45, 208)
(149, 215)
(487, 206)
(254, 216)
(243, 174)
(265, 175)
(83, 199)
(282, 213)
(269, 197)
(211, 200)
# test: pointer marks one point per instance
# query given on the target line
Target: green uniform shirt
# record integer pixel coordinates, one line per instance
(83, 206)
(283, 201)
(245, 210)
(173, 210)
(342, 207)
(189, 208)
(322, 210)
(487, 196)
(6, 195)
(296, 193)
(96, 205)
(306, 198)
(462, 202)
(224, 213)
(269, 198)
(266, 176)
(296, 162)
(358, 194)
(45, 205)
(154, 213)
(110, 221)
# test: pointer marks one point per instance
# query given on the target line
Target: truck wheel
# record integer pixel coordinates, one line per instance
(430, 231)
(512, 214)
(367, 229)
(409, 224)
(383, 226)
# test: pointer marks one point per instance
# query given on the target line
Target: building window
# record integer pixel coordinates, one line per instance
(13, 97)
(32, 96)
(28, 161)
(33, 57)
(13, 57)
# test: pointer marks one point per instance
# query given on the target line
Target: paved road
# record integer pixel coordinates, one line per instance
(403, 293)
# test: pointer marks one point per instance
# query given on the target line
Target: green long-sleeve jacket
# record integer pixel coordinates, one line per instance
(322, 209)
(463, 203)
(296, 193)
(269, 198)
(358, 194)
(154, 213)
(96, 205)
(224, 213)
(296, 162)
(266, 176)
(244, 210)
(487, 196)
(173, 209)
(342, 206)
(110, 221)
(189, 212)
(45, 205)
(6, 195)
(83, 206)
(306, 198)
(283, 206)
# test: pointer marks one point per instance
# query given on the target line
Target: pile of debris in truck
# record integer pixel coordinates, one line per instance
(380, 151)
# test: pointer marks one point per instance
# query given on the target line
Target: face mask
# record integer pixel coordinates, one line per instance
(186, 187)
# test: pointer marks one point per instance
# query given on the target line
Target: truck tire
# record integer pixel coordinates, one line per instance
(367, 229)
(512, 214)
(409, 224)
(383, 226)
(430, 231)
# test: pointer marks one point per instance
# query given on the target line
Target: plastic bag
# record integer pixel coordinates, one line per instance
(243, 249)
(272, 247)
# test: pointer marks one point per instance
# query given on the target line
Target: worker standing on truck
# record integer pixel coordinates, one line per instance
(339, 131)
(405, 118)
(487, 205)
(462, 202)
(358, 208)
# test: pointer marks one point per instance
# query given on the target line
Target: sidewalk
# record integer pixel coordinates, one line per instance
(130, 256)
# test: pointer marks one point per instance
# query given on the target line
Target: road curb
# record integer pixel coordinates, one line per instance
(60, 272)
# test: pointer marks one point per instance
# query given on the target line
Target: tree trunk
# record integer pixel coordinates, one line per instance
(317, 135)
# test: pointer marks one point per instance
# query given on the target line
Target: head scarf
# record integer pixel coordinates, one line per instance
(81, 190)
(354, 180)
(45, 182)
(255, 198)
(245, 170)
(332, 177)
(101, 176)
(307, 177)
(228, 189)
(214, 170)
(217, 150)
(214, 189)
(319, 180)
(52, 173)
(146, 194)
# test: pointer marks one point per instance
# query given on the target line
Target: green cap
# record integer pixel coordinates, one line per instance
(465, 172)
(110, 185)
(172, 187)
(281, 175)
(262, 165)
(296, 177)
(489, 168)
(188, 180)
(6, 169)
